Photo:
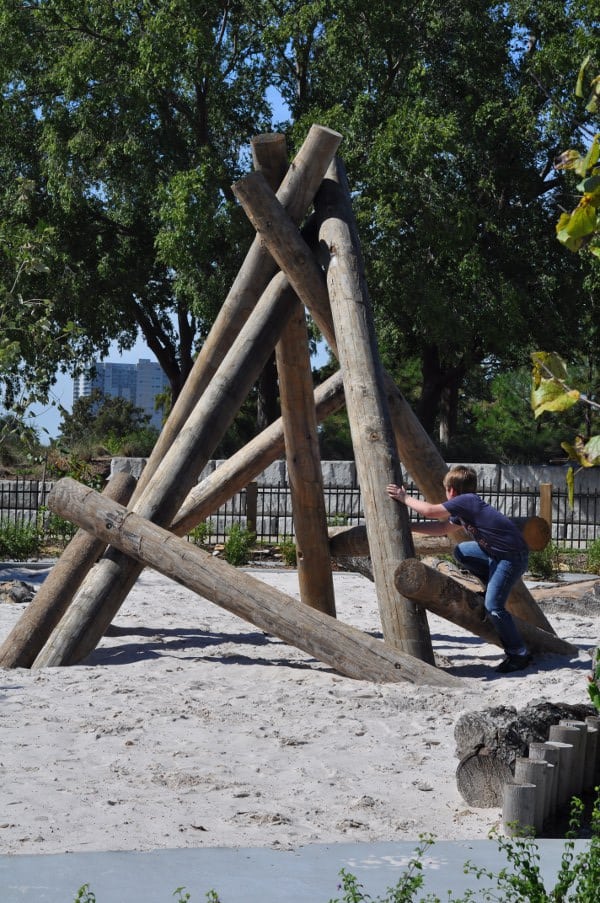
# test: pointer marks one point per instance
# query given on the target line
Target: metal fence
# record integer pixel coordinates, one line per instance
(267, 512)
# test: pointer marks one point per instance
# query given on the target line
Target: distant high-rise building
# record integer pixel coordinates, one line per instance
(138, 383)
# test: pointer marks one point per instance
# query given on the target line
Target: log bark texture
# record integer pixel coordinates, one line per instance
(451, 600)
(488, 742)
(54, 596)
(344, 648)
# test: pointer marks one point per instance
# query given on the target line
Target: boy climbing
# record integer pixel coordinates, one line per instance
(497, 555)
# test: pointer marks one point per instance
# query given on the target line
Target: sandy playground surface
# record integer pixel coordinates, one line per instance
(188, 727)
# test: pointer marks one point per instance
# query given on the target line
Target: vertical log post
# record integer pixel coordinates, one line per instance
(580, 744)
(404, 623)
(591, 757)
(534, 771)
(518, 808)
(546, 503)
(416, 449)
(594, 721)
(251, 506)
(548, 754)
(305, 475)
(567, 736)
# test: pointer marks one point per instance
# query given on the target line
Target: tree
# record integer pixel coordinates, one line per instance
(97, 418)
(128, 122)
(449, 139)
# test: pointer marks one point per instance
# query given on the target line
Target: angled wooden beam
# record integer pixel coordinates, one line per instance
(448, 598)
(345, 648)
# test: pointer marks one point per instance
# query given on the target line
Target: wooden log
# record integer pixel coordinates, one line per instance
(593, 721)
(580, 745)
(451, 600)
(242, 467)
(348, 650)
(54, 596)
(566, 753)
(305, 475)
(518, 809)
(591, 757)
(415, 448)
(534, 771)
(101, 596)
(404, 626)
(353, 540)
(300, 430)
(548, 754)
(564, 733)
(296, 193)
(488, 742)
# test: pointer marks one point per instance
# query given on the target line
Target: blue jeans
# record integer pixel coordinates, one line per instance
(498, 575)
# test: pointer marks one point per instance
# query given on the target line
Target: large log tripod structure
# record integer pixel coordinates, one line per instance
(289, 267)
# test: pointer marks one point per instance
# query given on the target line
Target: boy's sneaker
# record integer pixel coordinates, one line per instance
(514, 663)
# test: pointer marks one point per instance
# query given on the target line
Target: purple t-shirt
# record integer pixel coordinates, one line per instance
(495, 533)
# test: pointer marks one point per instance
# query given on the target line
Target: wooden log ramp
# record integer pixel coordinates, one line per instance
(446, 597)
(341, 646)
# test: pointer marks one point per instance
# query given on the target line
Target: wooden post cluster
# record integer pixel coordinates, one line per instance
(545, 781)
(297, 260)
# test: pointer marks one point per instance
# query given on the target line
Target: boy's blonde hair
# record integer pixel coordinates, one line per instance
(462, 479)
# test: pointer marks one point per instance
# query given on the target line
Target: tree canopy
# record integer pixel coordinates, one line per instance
(124, 125)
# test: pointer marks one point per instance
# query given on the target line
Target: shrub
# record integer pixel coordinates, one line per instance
(288, 552)
(237, 545)
(18, 542)
(545, 563)
(201, 533)
(593, 557)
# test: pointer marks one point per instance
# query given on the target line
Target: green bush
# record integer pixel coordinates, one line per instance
(288, 552)
(593, 557)
(18, 542)
(201, 533)
(238, 543)
(545, 563)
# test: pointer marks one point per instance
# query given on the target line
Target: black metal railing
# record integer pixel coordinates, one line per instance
(267, 512)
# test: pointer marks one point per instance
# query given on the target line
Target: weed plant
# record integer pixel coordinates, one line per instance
(287, 547)
(593, 557)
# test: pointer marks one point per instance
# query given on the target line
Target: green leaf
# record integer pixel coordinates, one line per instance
(547, 363)
(581, 76)
(552, 396)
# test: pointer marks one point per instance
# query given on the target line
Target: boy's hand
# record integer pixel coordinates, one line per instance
(398, 493)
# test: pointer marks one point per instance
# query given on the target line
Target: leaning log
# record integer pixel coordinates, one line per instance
(345, 648)
(108, 584)
(101, 596)
(404, 626)
(416, 450)
(295, 193)
(488, 743)
(54, 596)
(449, 599)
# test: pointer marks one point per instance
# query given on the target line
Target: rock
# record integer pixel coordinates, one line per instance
(16, 591)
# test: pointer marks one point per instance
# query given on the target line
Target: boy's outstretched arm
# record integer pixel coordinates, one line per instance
(425, 509)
